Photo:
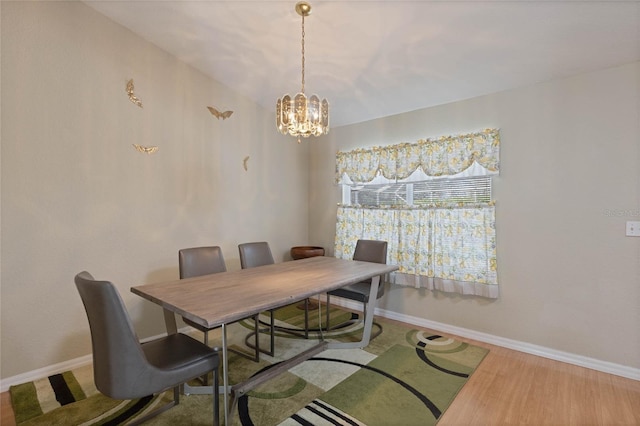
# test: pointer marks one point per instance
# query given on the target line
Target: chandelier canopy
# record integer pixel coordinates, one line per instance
(302, 116)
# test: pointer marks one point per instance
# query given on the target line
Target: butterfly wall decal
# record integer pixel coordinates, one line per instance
(132, 97)
(217, 114)
(145, 149)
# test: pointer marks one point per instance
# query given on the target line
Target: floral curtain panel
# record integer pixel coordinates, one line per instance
(446, 249)
(447, 155)
(450, 248)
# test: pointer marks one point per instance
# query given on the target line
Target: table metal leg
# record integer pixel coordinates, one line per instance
(240, 389)
(172, 328)
(225, 375)
(230, 394)
(170, 322)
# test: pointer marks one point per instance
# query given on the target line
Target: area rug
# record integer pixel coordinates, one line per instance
(404, 377)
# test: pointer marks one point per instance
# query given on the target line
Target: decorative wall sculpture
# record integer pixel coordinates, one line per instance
(217, 114)
(145, 149)
(132, 97)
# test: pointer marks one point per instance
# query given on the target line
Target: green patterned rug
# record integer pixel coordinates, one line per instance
(404, 377)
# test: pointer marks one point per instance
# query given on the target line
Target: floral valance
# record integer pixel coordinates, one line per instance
(446, 155)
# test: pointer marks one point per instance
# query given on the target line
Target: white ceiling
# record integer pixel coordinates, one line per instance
(377, 58)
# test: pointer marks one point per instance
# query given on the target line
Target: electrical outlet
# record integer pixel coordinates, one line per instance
(633, 228)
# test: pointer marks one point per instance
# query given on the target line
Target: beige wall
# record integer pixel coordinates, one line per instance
(76, 195)
(570, 179)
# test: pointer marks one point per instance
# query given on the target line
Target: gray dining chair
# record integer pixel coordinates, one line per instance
(256, 254)
(197, 261)
(367, 251)
(124, 368)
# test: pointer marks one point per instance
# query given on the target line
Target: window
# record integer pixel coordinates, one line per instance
(465, 190)
(432, 202)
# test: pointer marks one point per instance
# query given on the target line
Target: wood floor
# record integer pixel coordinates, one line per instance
(514, 388)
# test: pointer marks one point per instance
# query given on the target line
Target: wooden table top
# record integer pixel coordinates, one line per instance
(216, 299)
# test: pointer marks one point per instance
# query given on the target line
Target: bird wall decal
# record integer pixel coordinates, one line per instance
(217, 114)
(132, 97)
(145, 149)
(245, 163)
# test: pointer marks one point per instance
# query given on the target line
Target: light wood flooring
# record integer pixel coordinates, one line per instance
(514, 388)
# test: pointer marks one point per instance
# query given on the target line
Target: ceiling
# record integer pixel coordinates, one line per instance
(372, 59)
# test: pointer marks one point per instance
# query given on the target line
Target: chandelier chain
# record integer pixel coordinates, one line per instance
(302, 91)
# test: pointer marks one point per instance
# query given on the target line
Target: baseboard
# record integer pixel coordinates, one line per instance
(49, 370)
(582, 361)
(579, 360)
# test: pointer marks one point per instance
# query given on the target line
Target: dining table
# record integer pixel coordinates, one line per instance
(223, 298)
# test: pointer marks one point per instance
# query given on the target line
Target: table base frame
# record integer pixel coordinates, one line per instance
(231, 394)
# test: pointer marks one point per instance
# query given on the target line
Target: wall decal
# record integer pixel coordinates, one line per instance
(217, 114)
(145, 149)
(132, 97)
(244, 163)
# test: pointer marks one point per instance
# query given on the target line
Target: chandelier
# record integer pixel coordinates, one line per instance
(302, 116)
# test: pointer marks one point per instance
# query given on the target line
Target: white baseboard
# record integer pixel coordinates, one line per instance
(582, 361)
(47, 371)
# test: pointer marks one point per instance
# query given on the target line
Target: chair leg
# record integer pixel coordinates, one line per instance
(272, 335)
(256, 342)
(216, 398)
(205, 379)
(294, 331)
(306, 318)
(328, 307)
(256, 321)
(176, 401)
(272, 332)
(256, 334)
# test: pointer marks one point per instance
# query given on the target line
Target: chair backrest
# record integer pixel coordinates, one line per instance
(255, 254)
(371, 251)
(197, 261)
(118, 359)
